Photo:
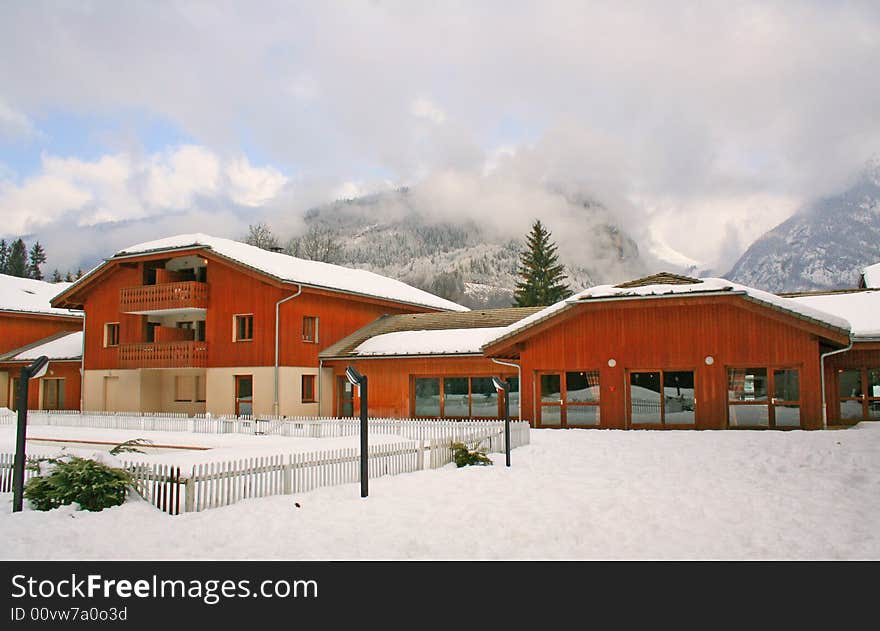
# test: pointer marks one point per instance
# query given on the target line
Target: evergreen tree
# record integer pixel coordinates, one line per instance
(542, 277)
(56, 276)
(4, 256)
(17, 262)
(68, 277)
(36, 257)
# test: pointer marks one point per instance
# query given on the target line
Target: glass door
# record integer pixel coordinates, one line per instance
(244, 395)
(662, 398)
(345, 401)
(570, 399)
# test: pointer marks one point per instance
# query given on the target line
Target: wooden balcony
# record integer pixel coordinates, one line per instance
(164, 355)
(164, 297)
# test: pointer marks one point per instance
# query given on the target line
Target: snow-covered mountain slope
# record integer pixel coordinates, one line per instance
(824, 246)
(468, 262)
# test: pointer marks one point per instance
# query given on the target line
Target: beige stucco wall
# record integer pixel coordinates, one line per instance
(138, 390)
(221, 390)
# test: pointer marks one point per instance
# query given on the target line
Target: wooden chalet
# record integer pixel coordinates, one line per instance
(198, 324)
(28, 320)
(665, 351)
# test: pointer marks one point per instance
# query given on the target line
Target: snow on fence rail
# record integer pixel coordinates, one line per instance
(292, 426)
(223, 483)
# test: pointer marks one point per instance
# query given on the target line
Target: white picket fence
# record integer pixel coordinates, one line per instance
(293, 426)
(217, 484)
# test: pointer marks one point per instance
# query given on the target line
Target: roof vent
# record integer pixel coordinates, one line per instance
(663, 278)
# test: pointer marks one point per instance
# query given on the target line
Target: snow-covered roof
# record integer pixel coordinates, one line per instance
(860, 308)
(31, 296)
(295, 270)
(871, 276)
(698, 287)
(56, 347)
(442, 342)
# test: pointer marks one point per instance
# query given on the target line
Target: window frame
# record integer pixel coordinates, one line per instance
(771, 402)
(308, 378)
(442, 395)
(662, 372)
(59, 384)
(314, 329)
(108, 327)
(248, 328)
(562, 404)
(865, 399)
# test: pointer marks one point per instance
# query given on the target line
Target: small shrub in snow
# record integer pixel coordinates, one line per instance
(464, 457)
(91, 484)
(131, 446)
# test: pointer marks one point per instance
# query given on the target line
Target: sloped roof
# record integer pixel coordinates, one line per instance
(699, 287)
(64, 345)
(291, 269)
(457, 327)
(860, 307)
(26, 295)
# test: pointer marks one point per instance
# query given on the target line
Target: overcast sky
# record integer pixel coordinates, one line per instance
(700, 125)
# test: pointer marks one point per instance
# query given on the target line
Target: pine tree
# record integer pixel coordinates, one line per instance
(56, 276)
(36, 257)
(17, 262)
(4, 256)
(542, 277)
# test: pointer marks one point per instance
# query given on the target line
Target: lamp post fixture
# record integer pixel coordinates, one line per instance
(34, 371)
(357, 379)
(502, 386)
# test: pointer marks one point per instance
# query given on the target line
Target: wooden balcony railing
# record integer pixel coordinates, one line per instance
(185, 295)
(164, 355)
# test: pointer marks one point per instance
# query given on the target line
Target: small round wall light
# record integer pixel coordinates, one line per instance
(612, 362)
(709, 360)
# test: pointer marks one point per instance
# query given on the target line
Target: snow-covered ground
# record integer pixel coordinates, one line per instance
(570, 494)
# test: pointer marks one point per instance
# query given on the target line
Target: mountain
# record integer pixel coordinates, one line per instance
(823, 246)
(471, 262)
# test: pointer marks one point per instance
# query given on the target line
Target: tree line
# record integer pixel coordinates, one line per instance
(541, 276)
(16, 259)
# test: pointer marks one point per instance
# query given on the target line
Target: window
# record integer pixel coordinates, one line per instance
(53, 394)
(308, 388)
(662, 398)
(763, 397)
(243, 328)
(310, 329)
(184, 388)
(859, 393)
(569, 398)
(111, 334)
(458, 397)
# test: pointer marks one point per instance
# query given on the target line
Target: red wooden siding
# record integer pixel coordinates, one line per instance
(673, 334)
(67, 370)
(20, 329)
(231, 290)
(390, 380)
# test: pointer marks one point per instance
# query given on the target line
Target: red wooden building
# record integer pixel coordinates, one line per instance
(197, 324)
(664, 351)
(27, 320)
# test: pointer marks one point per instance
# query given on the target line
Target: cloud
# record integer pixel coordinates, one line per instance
(126, 187)
(681, 118)
(15, 125)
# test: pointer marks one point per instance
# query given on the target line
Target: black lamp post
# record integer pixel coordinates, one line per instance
(502, 386)
(359, 380)
(36, 370)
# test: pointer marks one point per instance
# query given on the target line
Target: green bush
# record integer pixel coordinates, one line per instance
(464, 457)
(91, 484)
